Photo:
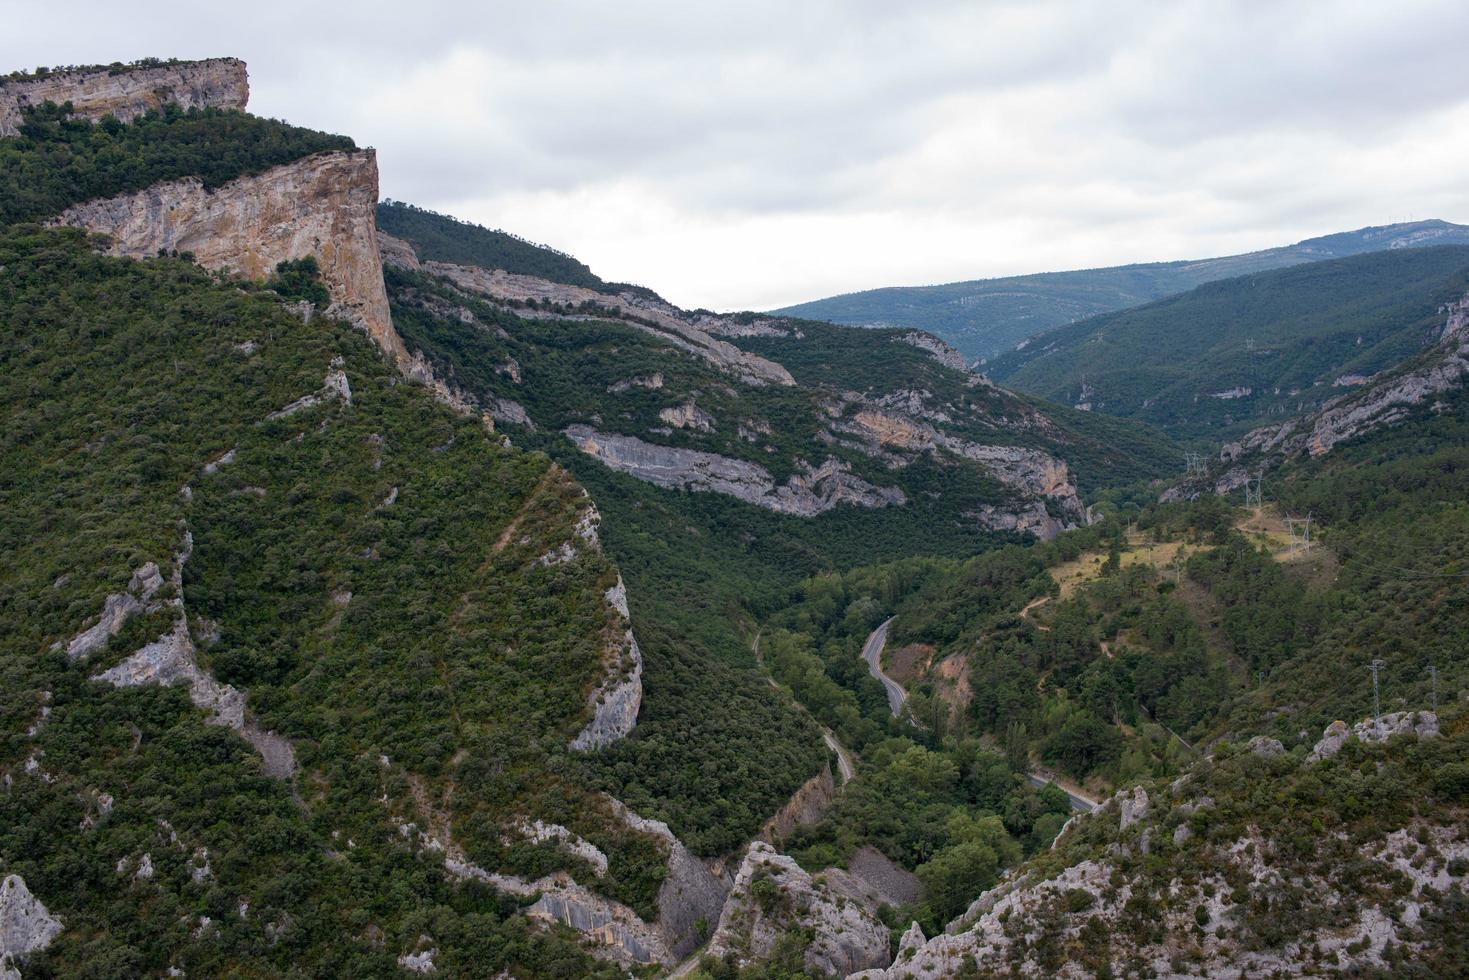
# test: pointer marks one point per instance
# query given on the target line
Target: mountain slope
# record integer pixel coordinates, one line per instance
(301, 648)
(984, 318)
(1213, 362)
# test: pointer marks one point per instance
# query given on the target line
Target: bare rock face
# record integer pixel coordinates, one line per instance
(1132, 806)
(773, 895)
(806, 806)
(25, 925)
(1423, 724)
(396, 252)
(687, 416)
(690, 893)
(946, 355)
(813, 491)
(218, 82)
(117, 608)
(656, 317)
(323, 206)
(1266, 747)
(616, 701)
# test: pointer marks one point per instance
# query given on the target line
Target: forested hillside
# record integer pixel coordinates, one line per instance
(1214, 362)
(310, 563)
(985, 318)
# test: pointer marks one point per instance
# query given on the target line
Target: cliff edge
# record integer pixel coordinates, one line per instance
(126, 92)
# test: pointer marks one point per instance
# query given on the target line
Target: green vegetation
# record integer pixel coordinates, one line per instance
(344, 575)
(112, 68)
(440, 238)
(988, 317)
(58, 161)
(1228, 356)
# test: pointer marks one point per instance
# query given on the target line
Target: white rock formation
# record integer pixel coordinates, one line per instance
(773, 895)
(323, 206)
(116, 609)
(615, 702)
(25, 925)
(812, 491)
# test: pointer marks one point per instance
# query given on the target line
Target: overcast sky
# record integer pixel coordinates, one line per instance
(749, 154)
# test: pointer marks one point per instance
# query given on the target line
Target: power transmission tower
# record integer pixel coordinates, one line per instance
(1195, 462)
(1433, 676)
(1375, 666)
(1253, 497)
(1300, 533)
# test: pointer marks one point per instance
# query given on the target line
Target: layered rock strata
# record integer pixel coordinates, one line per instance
(813, 490)
(126, 93)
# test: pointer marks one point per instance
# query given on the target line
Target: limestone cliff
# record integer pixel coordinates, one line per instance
(615, 702)
(772, 895)
(323, 206)
(813, 490)
(692, 334)
(128, 92)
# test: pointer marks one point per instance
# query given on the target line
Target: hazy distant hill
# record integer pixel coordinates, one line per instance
(986, 317)
(1230, 355)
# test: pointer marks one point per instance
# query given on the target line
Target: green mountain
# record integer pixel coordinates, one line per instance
(387, 595)
(1220, 359)
(984, 318)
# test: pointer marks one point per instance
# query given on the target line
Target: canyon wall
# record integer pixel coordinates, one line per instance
(128, 92)
(323, 206)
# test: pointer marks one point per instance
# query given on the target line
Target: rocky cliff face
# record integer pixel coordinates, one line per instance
(323, 206)
(772, 895)
(812, 491)
(25, 925)
(616, 700)
(690, 334)
(126, 93)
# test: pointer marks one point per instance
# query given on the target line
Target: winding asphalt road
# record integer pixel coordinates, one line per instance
(872, 653)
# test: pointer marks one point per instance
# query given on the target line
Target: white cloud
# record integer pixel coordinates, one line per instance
(754, 154)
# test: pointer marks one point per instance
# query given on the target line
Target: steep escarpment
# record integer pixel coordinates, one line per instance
(810, 491)
(126, 91)
(322, 206)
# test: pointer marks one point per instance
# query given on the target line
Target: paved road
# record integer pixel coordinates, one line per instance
(1079, 803)
(844, 761)
(872, 653)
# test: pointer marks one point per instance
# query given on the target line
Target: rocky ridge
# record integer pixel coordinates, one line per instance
(692, 334)
(1088, 906)
(128, 92)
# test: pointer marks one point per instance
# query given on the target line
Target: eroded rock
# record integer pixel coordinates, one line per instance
(26, 926)
(811, 491)
(220, 83)
(773, 895)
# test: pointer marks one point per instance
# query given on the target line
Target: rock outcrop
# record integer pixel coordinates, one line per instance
(653, 316)
(946, 355)
(1422, 724)
(25, 925)
(806, 806)
(772, 895)
(128, 92)
(690, 897)
(117, 608)
(172, 660)
(615, 702)
(323, 206)
(811, 491)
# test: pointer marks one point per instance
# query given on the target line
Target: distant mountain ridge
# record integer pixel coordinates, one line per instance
(986, 317)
